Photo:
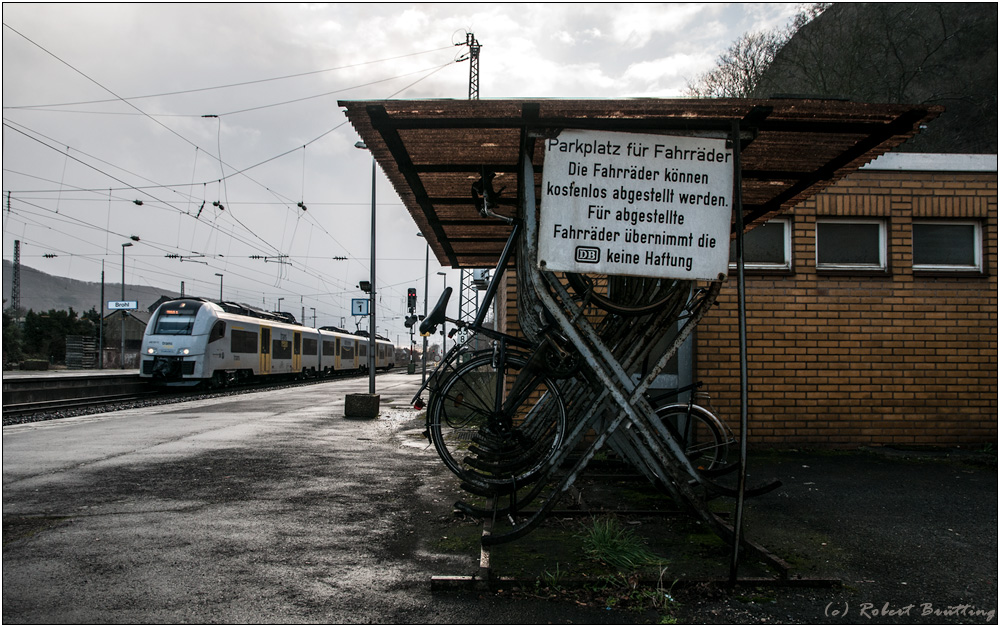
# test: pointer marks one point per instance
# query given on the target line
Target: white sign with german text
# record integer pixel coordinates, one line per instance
(636, 204)
(126, 305)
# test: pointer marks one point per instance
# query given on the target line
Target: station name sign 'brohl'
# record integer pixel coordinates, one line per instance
(636, 204)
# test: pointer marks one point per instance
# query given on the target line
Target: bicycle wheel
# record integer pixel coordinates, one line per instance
(485, 445)
(700, 434)
(628, 295)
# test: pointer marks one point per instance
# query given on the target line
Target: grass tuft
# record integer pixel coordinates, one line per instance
(607, 541)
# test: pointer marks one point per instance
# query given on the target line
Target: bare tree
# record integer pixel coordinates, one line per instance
(739, 69)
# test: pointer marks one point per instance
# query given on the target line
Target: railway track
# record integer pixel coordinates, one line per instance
(35, 399)
(62, 405)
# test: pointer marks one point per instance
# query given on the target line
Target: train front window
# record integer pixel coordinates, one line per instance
(174, 324)
(176, 319)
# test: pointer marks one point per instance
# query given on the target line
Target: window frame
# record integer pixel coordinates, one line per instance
(765, 266)
(977, 243)
(883, 244)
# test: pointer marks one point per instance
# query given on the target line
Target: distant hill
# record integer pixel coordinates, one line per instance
(42, 292)
(901, 52)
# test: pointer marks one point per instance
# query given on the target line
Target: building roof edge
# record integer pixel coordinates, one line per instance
(935, 162)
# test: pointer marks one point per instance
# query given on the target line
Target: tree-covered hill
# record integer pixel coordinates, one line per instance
(918, 53)
(42, 292)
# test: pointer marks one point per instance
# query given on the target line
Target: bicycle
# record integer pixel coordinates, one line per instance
(625, 295)
(497, 417)
(704, 437)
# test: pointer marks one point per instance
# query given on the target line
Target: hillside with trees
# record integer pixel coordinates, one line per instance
(914, 53)
(41, 291)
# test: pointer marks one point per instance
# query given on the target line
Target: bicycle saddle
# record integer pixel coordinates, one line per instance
(436, 317)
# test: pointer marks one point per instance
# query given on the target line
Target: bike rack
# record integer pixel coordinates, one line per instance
(610, 403)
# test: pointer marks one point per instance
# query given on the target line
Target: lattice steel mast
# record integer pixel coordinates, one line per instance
(468, 294)
(15, 282)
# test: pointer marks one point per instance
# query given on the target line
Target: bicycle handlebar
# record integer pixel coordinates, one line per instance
(437, 316)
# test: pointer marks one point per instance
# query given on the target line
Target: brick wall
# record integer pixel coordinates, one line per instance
(843, 359)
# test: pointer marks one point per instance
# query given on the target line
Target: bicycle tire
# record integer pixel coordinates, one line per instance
(626, 295)
(700, 434)
(487, 449)
(510, 517)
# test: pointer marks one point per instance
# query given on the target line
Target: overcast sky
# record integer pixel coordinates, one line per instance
(105, 104)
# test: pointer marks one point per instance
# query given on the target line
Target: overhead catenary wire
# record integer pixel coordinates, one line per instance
(230, 85)
(189, 198)
(149, 242)
(144, 190)
(117, 97)
(145, 114)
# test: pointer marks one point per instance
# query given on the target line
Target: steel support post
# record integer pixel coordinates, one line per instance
(742, 316)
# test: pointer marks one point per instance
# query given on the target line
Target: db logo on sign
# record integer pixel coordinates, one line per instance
(587, 254)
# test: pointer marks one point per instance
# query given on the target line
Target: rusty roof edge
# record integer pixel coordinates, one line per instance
(904, 127)
(907, 123)
(384, 157)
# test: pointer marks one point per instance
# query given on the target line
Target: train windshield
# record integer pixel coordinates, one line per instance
(176, 319)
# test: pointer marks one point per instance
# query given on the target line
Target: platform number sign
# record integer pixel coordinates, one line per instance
(359, 306)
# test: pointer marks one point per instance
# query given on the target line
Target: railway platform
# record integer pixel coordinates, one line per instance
(271, 507)
(63, 372)
(33, 386)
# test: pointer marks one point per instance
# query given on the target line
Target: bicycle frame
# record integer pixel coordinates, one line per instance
(476, 326)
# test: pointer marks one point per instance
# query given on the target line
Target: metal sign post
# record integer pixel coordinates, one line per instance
(742, 315)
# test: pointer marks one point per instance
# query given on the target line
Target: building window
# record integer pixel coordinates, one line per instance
(953, 246)
(766, 247)
(850, 245)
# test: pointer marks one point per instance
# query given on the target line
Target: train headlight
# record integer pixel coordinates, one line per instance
(185, 351)
(150, 350)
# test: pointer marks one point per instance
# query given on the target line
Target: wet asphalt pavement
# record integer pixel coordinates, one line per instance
(268, 507)
(271, 507)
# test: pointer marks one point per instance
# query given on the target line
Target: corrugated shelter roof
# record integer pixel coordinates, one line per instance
(434, 150)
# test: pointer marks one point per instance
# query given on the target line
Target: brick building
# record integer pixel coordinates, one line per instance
(871, 311)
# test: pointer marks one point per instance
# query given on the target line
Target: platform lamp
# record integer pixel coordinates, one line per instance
(371, 294)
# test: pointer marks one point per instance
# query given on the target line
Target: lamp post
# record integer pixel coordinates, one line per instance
(371, 294)
(220, 286)
(100, 329)
(427, 266)
(121, 365)
(444, 325)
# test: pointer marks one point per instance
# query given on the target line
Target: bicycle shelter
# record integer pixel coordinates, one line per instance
(448, 160)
